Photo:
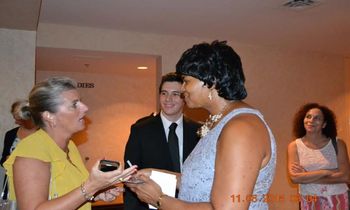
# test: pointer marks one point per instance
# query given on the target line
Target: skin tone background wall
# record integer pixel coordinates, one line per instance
(279, 80)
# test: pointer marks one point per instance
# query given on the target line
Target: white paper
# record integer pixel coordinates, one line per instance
(166, 181)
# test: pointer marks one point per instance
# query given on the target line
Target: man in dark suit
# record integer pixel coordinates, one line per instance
(149, 141)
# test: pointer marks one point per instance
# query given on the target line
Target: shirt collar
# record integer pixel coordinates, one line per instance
(167, 123)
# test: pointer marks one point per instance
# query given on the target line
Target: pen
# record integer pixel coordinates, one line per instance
(129, 163)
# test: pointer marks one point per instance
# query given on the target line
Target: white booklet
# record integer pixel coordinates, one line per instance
(166, 181)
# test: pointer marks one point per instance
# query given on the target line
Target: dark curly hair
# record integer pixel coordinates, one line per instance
(215, 64)
(330, 130)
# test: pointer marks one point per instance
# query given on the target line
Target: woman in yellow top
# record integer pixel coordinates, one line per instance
(46, 170)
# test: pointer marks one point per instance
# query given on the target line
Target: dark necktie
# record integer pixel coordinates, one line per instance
(173, 143)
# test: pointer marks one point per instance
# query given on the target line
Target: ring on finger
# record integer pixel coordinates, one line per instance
(121, 179)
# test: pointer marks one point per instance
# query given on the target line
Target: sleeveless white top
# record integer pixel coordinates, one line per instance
(317, 159)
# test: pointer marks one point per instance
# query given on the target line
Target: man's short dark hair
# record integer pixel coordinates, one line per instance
(170, 77)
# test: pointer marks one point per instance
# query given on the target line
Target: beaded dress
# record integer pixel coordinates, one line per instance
(198, 169)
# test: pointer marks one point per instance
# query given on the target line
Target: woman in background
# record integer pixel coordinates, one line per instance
(46, 170)
(317, 161)
(25, 128)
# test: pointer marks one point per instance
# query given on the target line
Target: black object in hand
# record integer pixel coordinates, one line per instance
(108, 165)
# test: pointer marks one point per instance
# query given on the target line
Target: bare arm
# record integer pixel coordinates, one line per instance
(238, 162)
(298, 174)
(234, 156)
(341, 175)
(32, 186)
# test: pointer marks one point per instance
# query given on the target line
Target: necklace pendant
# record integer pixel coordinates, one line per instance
(209, 123)
(204, 130)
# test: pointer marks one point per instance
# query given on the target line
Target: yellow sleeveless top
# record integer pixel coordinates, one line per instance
(65, 176)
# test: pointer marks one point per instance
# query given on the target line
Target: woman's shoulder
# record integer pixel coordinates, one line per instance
(248, 128)
(341, 143)
(35, 145)
(295, 143)
(246, 117)
(240, 110)
(39, 137)
(292, 144)
(245, 126)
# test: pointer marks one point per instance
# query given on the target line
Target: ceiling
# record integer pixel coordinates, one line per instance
(19, 14)
(324, 27)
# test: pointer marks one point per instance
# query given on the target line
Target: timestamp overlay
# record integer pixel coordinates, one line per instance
(270, 198)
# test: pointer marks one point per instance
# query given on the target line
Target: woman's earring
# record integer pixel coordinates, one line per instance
(210, 96)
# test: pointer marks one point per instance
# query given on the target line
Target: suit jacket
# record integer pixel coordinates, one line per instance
(147, 147)
(10, 137)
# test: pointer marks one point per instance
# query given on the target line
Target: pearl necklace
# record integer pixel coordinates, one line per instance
(212, 119)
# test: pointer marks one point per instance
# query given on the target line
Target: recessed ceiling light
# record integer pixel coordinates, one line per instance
(142, 67)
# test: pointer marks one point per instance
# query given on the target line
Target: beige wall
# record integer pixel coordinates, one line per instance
(17, 51)
(17, 57)
(278, 80)
(346, 112)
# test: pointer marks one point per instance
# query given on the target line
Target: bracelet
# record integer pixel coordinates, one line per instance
(159, 201)
(85, 194)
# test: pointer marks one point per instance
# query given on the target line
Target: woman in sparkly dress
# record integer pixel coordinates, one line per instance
(224, 171)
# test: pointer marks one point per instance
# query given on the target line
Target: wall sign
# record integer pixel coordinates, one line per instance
(86, 85)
